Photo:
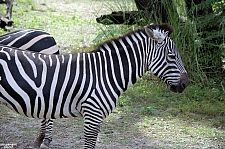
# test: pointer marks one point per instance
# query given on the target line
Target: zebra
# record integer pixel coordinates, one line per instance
(32, 40)
(88, 84)
(38, 41)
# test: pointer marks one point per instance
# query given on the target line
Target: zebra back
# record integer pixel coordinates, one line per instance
(32, 40)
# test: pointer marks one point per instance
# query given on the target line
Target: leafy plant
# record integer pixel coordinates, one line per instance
(148, 110)
(123, 101)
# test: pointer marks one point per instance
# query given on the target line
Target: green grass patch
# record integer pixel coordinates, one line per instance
(152, 97)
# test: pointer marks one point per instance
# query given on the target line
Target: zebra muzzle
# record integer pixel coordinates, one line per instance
(182, 84)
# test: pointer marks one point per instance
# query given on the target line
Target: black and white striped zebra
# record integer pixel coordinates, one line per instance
(88, 84)
(38, 41)
(32, 40)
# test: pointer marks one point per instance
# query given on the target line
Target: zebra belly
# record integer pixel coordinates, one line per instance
(18, 109)
(73, 113)
(4, 102)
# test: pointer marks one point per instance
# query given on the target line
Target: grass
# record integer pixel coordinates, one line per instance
(194, 118)
(148, 114)
(207, 102)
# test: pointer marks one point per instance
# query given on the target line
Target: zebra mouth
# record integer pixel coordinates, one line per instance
(183, 83)
(177, 88)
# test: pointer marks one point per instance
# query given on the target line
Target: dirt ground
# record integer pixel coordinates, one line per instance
(67, 133)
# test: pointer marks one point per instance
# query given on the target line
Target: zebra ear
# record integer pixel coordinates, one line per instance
(155, 34)
(149, 32)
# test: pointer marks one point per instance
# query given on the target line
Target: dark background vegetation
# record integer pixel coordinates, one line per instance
(200, 31)
(148, 115)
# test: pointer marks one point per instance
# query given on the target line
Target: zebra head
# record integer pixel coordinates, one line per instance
(164, 59)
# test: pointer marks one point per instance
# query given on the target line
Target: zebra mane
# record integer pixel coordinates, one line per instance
(164, 28)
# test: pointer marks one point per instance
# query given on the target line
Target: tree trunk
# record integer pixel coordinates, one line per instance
(154, 9)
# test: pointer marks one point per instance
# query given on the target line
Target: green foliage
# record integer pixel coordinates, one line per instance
(123, 101)
(148, 110)
(211, 32)
(199, 40)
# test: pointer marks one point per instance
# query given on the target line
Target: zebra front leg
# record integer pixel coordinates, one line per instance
(48, 135)
(91, 130)
(92, 121)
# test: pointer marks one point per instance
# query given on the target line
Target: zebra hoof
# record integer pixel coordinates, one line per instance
(45, 144)
(43, 147)
(38, 141)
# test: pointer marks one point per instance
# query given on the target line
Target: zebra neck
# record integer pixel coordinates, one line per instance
(126, 58)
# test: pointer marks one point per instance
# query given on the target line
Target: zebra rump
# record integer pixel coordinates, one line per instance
(32, 40)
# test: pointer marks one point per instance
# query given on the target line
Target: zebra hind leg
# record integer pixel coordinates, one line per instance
(48, 135)
(45, 137)
(38, 141)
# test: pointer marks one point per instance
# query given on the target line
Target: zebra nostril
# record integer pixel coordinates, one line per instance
(179, 88)
(184, 80)
(183, 85)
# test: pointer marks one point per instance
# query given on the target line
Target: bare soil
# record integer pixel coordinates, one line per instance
(67, 133)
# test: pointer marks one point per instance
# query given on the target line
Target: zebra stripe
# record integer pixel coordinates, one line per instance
(87, 84)
(32, 40)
